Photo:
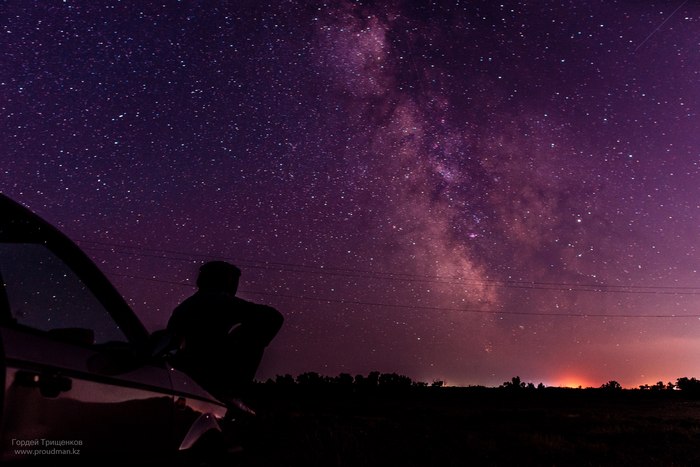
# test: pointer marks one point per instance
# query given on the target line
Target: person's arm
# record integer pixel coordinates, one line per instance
(261, 321)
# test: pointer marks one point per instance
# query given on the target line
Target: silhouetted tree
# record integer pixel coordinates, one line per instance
(437, 383)
(344, 379)
(612, 385)
(394, 380)
(659, 386)
(369, 381)
(373, 379)
(514, 384)
(310, 378)
(284, 380)
(688, 385)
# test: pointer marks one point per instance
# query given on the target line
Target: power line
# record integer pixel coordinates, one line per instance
(279, 265)
(403, 277)
(325, 269)
(422, 307)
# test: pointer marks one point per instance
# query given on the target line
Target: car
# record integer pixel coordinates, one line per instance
(81, 378)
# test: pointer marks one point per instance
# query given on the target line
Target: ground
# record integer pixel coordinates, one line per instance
(344, 426)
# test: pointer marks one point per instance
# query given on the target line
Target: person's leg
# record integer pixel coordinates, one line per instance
(245, 346)
(242, 359)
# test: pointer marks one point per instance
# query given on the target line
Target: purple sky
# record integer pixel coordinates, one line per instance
(463, 190)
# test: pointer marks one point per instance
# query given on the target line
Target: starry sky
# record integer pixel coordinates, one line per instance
(454, 190)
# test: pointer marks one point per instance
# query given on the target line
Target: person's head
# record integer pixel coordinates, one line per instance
(218, 276)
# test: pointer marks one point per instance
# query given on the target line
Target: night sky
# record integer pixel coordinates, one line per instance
(454, 190)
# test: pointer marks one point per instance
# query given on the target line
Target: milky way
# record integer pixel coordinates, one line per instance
(463, 191)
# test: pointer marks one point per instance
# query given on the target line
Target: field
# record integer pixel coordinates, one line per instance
(344, 426)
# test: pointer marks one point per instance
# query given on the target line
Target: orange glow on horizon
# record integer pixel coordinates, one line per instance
(572, 381)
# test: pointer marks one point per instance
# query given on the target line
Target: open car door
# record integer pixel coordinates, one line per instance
(77, 380)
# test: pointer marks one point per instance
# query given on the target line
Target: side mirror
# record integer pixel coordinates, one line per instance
(120, 357)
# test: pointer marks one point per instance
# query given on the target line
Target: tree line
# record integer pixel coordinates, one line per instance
(395, 380)
(688, 385)
(373, 379)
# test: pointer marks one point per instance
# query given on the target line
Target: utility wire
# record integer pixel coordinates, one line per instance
(422, 307)
(353, 273)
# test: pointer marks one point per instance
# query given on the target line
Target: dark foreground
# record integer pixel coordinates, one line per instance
(336, 426)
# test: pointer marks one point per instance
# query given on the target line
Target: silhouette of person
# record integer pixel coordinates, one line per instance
(222, 337)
